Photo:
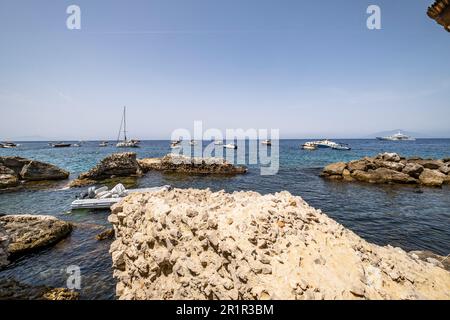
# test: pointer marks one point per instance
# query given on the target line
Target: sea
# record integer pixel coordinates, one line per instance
(409, 217)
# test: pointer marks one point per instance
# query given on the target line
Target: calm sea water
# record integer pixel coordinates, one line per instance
(405, 216)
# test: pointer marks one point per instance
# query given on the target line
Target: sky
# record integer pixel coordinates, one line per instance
(307, 68)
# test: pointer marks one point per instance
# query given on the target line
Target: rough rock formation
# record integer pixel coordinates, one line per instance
(192, 165)
(13, 290)
(29, 233)
(391, 168)
(198, 244)
(8, 178)
(4, 242)
(431, 257)
(440, 12)
(105, 235)
(113, 166)
(16, 169)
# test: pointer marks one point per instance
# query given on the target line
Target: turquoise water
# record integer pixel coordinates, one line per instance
(406, 216)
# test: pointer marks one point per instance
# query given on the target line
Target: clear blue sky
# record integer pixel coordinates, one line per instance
(309, 68)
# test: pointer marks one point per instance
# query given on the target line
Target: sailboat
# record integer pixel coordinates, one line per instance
(125, 143)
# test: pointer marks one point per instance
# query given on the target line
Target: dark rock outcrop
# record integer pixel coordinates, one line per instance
(13, 170)
(390, 168)
(413, 169)
(39, 171)
(191, 165)
(113, 166)
(29, 233)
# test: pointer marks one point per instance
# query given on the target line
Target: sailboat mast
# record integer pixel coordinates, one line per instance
(125, 122)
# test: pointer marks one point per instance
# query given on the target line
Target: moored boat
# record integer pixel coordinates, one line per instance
(267, 142)
(125, 143)
(230, 146)
(397, 137)
(312, 145)
(8, 145)
(309, 146)
(60, 145)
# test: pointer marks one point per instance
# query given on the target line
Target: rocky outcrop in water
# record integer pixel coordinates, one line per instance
(105, 235)
(28, 233)
(13, 290)
(113, 166)
(191, 165)
(13, 170)
(198, 244)
(390, 168)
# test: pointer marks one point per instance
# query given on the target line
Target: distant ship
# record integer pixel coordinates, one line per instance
(397, 137)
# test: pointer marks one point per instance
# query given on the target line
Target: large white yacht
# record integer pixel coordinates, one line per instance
(397, 137)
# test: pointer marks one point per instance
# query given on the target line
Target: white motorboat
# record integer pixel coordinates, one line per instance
(267, 142)
(397, 137)
(103, 144)
(102, 198)
(125, 143)
(325, 144)
(230, 146)
(176, 144)
(218, 142)
(8, 145)
(309, 146)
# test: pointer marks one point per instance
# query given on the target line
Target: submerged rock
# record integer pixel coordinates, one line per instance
(14, 290)
(16, 169)
(105, 235)
(28, 233)
(113, 166)
(191, 165)
(199, 244)
(390, 168)
(427, 256)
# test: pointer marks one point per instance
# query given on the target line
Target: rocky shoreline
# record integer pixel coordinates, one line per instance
(199, 244)
(125, 165)
(391, 168)
(15, 171)
(191, 165)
